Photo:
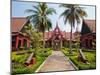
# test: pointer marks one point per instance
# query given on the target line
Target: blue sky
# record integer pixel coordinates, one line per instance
(18, 10)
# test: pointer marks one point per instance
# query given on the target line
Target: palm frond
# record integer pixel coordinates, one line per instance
(39, 16)
(72, 14)
(68, 5)
(50, 11)
(65, 13)
(31, 11)
(36, 7)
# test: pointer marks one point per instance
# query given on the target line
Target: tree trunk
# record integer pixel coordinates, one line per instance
(70, 43)
(78, 41)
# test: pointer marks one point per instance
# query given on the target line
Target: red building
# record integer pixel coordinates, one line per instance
(19, 38)
(88, 34)
(57, 38)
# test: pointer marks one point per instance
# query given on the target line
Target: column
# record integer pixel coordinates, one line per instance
(17, 40)
(28, 44)
(22, 42)
(85, 43)
(88, 43)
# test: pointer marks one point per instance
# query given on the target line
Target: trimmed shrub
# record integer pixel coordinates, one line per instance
(90, 56)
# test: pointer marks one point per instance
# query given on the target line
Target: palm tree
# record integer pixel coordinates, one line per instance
(40, 18)
(73, 14)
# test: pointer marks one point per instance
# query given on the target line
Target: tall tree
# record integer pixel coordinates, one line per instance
(39, 17)
(73, 14)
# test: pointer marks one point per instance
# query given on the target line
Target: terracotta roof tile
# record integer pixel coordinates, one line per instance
(91, 24)
(48, 34)
(65, 35)
(17, 23)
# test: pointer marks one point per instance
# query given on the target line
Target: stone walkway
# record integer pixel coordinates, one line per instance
(56, 62)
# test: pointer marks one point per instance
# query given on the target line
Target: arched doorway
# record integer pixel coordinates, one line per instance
(57, 45)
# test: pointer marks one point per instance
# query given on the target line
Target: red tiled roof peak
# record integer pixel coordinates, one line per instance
(91, 24)
(17, 23)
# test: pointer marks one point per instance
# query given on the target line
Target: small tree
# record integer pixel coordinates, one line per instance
(35, 36)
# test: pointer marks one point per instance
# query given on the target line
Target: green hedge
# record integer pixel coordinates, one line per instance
(81, 65)
(44, 52)
(18, 66)
(19, 58)
(90, 56)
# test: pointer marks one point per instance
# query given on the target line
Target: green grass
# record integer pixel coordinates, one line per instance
(18, 61)
(19, 58)
(90, 56)
(22, 69)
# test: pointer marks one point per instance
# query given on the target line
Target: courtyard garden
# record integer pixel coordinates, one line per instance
(38, 41)
(89, 54)
(19, 59)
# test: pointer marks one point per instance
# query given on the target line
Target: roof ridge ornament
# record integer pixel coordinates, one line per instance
(57, 24)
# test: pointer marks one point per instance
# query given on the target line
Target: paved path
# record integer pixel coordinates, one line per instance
(56, 62)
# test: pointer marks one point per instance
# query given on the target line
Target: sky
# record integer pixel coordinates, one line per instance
(19, 7)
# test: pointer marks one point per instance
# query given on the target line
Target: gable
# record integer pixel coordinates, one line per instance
(91, 24)
(88, 26)
(17, 24)
(85, 28)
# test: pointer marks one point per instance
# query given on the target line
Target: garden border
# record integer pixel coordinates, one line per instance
(41, 65)
(75, 67)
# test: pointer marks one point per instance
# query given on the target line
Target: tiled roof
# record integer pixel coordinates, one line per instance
(91, 24)
(68, 35)
(17, 24)
(48, 34)
(65, 35)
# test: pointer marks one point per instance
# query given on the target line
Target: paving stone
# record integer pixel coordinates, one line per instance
(56, 62)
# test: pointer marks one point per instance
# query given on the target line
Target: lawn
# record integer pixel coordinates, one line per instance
(18, 60)
(89, 54)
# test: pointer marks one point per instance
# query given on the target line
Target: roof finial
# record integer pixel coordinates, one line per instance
(57, 23)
